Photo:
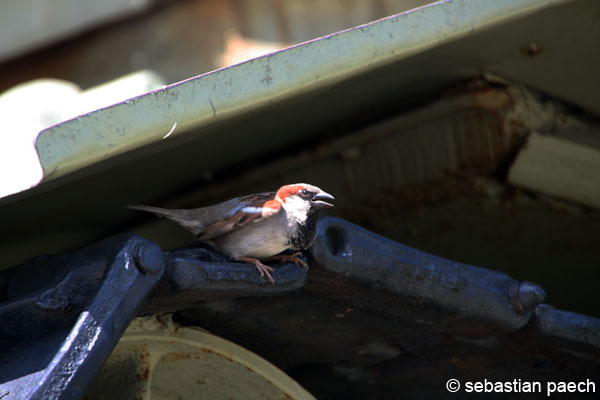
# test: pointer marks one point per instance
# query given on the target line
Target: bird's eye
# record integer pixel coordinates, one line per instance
(304, 193)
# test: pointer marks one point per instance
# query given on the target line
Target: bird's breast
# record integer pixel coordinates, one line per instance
(258, 240)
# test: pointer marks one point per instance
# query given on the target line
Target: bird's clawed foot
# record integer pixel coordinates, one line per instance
(289, 258)
(262, 268)
(266, 270)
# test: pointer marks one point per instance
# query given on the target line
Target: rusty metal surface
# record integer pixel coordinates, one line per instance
(475, 126)
(157, 356)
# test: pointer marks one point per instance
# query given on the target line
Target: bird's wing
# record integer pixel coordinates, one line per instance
(250, 209)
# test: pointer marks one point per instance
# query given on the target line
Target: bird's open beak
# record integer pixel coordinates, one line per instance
(319, 197)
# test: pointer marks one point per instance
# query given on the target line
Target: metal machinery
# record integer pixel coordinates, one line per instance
(432, 115)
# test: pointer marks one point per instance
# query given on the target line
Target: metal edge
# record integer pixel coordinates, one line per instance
(218, 95)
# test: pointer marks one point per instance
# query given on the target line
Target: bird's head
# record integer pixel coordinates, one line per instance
(301, 200)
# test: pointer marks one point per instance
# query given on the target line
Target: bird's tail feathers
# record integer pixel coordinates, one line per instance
(184, 218)
(161, 212)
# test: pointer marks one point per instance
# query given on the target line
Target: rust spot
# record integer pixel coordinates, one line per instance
(532, 49)
(203, 380)
(172, 357)
(480, 93)
(143, 373)
(251, 370)
(493, 100)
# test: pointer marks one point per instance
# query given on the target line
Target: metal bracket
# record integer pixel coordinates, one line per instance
(97, 294)
(476, 294)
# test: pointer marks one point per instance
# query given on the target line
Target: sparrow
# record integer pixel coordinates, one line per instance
(257, 227)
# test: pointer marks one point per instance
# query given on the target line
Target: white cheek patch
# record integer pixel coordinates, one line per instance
(296, 208)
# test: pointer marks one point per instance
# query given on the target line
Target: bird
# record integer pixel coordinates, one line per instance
(256, 228)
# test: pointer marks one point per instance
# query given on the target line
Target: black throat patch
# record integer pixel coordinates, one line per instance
(305, 235)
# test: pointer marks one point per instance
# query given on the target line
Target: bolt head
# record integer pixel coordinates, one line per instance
(149, 258)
